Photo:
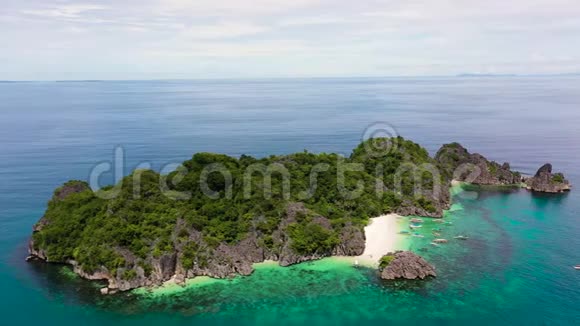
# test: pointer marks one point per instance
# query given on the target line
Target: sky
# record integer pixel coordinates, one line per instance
(165, 39)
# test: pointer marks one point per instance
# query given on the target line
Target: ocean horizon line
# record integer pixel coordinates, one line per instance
(284, 78)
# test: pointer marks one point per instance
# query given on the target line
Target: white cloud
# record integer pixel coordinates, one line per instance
(222, 30)
(232, 50)
(307, 36)
(315, 20)
(64, 11)
(234, 7)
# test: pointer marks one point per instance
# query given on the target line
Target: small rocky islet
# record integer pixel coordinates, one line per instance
(460, 165)
(405, 265)
(546, 181)
(143, 241)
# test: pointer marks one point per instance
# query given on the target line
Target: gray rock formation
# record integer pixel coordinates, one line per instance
(223, 261)
(458, 164)
(545, 181)
(438, 203)
(352, 239)
(405, 265)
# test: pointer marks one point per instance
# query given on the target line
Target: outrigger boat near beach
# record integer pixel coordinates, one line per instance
(418, 235)
(412, 226)
(434, 244)
(404, 232)
(461, 237)
(577, 267)
(438, 221)
(440, 240)
(416, 220)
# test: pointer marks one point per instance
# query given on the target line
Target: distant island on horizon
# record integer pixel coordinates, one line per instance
(461, 75)
(489, 75)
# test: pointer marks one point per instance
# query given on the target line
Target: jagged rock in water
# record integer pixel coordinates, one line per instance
(405, 265)
(545, 181)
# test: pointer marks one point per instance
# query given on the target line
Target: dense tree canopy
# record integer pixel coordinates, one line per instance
(149, 217)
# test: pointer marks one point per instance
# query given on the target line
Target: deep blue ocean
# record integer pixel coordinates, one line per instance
(516, 271)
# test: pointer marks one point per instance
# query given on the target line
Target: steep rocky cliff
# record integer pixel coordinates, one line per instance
(458, 164)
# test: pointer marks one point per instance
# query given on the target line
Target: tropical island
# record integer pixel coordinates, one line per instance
(218, 215)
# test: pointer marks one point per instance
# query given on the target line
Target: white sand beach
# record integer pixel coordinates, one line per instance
(382, 235)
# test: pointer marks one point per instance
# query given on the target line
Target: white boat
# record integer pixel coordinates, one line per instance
(461, 237)
(418, 235)
(434, 244)
(577, 267)
(414, 226)
(416, 220)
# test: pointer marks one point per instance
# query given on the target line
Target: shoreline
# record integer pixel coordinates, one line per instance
(382, 235)
(142, 265)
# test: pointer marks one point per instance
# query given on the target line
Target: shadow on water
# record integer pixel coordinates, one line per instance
(484, 192)
(420, 287)
(543, 200)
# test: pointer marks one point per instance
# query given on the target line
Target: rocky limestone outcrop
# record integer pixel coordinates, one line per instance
(352, 240)
(223, 261)
(456, 163)
(438, 203)
(405, 265)
(546, 181)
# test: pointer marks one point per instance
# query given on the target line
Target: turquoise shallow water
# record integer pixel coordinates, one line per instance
(515, 269)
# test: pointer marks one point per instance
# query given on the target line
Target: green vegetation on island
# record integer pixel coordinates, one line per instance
(219, 214)
(386, 260)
